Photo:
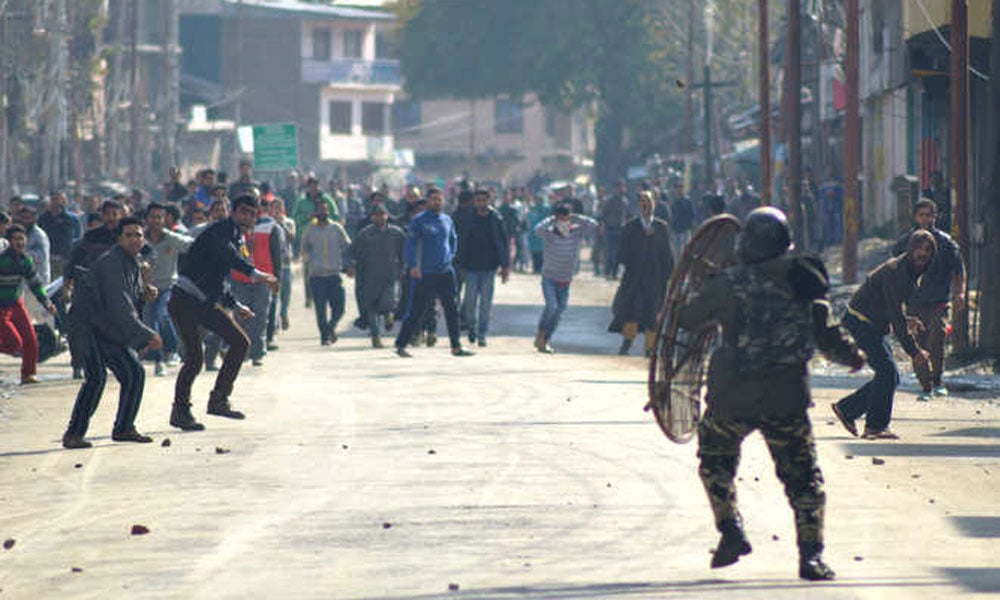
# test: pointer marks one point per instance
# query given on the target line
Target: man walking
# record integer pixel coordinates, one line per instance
(106, 331)
(483, 248)
(324, 247)
(614, 214)
(265, 243)
(944, 281)
(197, 304)
(62, 228)
(645, 251)
(682, 213)
(244, 184)
(876, 305)
(38, 245)
(773, 309)
(17, 335)
(167, 247)
(562, 234)
(431, 243)
(377, 263)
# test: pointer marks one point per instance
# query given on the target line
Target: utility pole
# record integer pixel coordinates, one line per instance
(5, 185)
(990, 301)
(818, 138)
(960, 149)
(169, 87)
(709, 161)
(689, 116)
(136, 100)
(238, 59)
(851, 144)
(764, 101)
(793, 92)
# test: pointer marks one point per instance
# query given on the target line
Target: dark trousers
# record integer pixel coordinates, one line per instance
(611, 237)
(127, 369)
(423, 292)
(429, 320)
(793, 449)
(536, 261)
(190, 315)
(935, 320)
(873, 399)
(327, 293)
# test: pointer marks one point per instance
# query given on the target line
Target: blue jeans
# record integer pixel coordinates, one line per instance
(478, 291)
(155, 316)
(556, 298)
(258, 298)
(873, 399)
(286, 291)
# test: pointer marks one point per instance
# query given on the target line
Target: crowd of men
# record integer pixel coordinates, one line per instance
(206, 269)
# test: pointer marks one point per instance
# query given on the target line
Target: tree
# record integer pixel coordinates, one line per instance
(614, 54)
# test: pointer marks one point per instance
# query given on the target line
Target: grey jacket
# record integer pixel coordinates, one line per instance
(165, 253)
(106, 304)
(325, 248)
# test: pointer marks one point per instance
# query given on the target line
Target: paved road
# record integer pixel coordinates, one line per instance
(508, 474)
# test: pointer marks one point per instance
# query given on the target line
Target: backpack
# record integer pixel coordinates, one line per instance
(774, 324)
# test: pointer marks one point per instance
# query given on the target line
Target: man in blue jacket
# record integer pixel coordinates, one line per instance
(431, 244)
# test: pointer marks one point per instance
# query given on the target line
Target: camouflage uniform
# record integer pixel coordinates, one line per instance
(773, 314)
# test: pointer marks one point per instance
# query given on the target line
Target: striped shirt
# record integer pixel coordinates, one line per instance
(15, 268)
(561, 254)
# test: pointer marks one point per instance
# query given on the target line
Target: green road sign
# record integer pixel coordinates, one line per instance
(275, 147)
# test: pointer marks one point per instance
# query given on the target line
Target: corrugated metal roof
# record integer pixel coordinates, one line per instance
(317, 10)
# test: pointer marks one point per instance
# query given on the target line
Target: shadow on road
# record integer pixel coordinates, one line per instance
(926, 450)
(984, 580)
(978, 527)
(701, 586)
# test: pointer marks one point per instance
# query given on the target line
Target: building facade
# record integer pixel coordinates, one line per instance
(330, 69)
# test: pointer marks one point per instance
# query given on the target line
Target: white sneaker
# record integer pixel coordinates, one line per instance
(940, 391)
(924, 397)
(159, 370)
(173, 359)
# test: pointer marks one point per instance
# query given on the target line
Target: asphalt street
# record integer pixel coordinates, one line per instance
(510, 474)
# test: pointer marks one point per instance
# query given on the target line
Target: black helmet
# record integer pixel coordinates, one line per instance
(765, 235)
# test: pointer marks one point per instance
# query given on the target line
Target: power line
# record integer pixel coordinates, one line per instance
(944, 42)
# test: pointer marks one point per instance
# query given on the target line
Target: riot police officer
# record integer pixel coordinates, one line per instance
(774, 312)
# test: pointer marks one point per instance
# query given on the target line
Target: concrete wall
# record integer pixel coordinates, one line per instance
(452, 131)
(884, 157)
(270, 62)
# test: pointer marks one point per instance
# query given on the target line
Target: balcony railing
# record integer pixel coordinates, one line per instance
(352, 70)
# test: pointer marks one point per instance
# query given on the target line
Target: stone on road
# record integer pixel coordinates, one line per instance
(361, 475)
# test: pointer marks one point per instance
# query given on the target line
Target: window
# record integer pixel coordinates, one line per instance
(508, 116)
(405, 116)
(322, 48)
(340, 117)
(352, 43)
(373, 118)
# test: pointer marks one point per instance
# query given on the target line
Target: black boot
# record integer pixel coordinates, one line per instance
(625, 347)
(181, 418)
(811, 565)
(732, 545)
(220, 407)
